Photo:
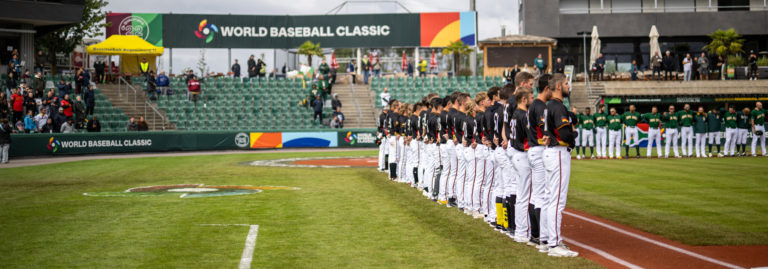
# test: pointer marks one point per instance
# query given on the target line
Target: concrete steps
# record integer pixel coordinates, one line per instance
(357, 105)
(125, 100)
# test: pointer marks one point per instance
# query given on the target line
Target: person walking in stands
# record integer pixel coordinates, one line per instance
(351, 71)
(669, 65)
(317, 106)
(163, 83)
(687, 62)
(261, 68)
(752, 65)
(703, 67)
(5, 139)
(79, 110)
(422, 67)
(539, 63)
(251, 67)
(90, 101)
(193, 87)
(376, 68)
(236, 69)
(151, 85)
(656, 63)
(633, 70)
(365, 66)
(29, 102)
(600, 66)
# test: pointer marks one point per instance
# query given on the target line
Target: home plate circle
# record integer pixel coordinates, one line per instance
(193, 190)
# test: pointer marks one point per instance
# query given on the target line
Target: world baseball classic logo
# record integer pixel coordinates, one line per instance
(206, 31)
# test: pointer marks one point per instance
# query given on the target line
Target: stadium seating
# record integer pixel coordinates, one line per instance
(411, 90)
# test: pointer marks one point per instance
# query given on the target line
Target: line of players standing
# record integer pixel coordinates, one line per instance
(503, 155)
(682, 125)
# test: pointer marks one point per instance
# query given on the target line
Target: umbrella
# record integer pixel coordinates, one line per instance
(334, 64)
(595, 51)
(654, 35)
(433, 61)
(404, 63)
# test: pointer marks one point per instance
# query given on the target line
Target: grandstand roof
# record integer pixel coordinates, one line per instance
(518, 40)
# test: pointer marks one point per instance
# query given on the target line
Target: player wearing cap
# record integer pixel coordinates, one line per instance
(601, 133)
(382, 135)
(538, 140)
(700, 128)
(757, 121)
(671, 123)
(557, 162)
(505, 175)
(614, 134)
(630, 119)
(741, 136)
(469, 156)
(714, 124)
(587, 122)
(685, 117)
(730, 119)
(654, 131)
(577, 128)
(433, 127)
(445, 147)
(519, 145)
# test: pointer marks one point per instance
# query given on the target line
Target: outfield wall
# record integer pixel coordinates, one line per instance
(91, 143)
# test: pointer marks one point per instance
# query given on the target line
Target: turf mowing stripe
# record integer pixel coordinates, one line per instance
(250, 243)
(603, 253)
(646, 239)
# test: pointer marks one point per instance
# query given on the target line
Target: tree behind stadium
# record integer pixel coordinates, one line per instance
(310, 49)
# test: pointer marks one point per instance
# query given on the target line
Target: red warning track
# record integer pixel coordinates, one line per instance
(615, 245)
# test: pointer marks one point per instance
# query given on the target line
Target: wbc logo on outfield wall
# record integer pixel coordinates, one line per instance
(206, 31)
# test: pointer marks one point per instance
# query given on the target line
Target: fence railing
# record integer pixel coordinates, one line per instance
(147, 106)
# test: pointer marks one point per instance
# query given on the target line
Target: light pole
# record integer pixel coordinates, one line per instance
(586, 70)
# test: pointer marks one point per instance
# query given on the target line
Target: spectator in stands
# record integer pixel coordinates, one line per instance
(376, 68)
(30, 126)
(365, 66)
(409, 69)
(40, 60)
(10, 82)
(600, 66)
(47, 127)
(94, 125)
(14, 66)
(507, 76)
(66, 104)
(143, 126)
(99, 66)
(559, 66)
(323, 86)
(29, 103)
(25, 78)
(17, 100)
(38, 84)
(193, 87)
(384, 97)
(721, 67)
(41, 118)
(251, 67)
(703, 66)
(536, 72)
(236, 69)
(79, 109)
(539, 63)
(132, 125)
(422, 67)
(67, 128)
(261, 68)
(58, 120)
(338, 119)
(656, 63)
(5, 107)
(633, 70)
(163, 83)
(687, 61)
(351, 71)
(752, 66)
(324, 69)
(317, 106)
(151, 85)
(335, 103)
(20, 127)
(82, 80)
(48, 100)
(695, 68)
(5, 139)
(669, 66)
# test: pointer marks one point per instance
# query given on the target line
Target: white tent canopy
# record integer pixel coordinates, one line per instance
(595, 51)
(654, 35)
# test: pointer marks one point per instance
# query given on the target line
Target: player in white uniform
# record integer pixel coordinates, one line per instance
(757, 121)
(537, 140)
(671, 123)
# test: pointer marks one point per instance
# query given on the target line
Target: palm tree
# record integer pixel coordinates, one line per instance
(725, 43)
(310, 49)
(456, 48)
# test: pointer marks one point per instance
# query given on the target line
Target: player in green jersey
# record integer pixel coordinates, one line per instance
(685, 117)
(630, 119)
(757, 121)
(714, 136)
(601, 133)
(730, 119)
(654, 131)
(587, 122)
(700, 128)
(672, 134)
(614, 134)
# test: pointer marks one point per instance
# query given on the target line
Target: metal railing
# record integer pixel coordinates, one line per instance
(147, 105)
(357, 105)
(664, 9)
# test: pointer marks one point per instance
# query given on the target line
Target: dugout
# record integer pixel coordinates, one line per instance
(645, 103)
(502, 52)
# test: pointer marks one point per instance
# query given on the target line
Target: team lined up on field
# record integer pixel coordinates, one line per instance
(503, 155)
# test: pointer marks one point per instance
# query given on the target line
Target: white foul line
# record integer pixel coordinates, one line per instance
(661, 244)
(603, 253)
(250, 243)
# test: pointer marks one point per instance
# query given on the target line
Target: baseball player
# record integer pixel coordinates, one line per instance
(461, 153)
(433, 127)
(494, 125)
(630, 119)
(518, 145)
(444, 155)
(538, 141)
(757, 121)
(714, 124)
(654, 131)
(469, 156)
(700, 128)
(741, 136)
(614, 134)
(685, 117)
(557, 162)
(587, 122)
(450, 187)
(671, 124)
(382, 135)
(577, 128)
(730, 121)
(505, 222)
(601, 133)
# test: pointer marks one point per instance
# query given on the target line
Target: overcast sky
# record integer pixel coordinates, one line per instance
(492, 14)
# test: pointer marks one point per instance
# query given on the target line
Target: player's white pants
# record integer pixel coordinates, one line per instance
(654, 135)
(671, 140)
(587, 138)
(383, 147)
(523, 192)
(631, 134)
(430, 168)
(701, 142)
(488, 199)
(445, 176)
(714, 138)
(481, 155)
(686, 137)
(508, 174)
(755, 137)
(730, 141)
(461, 174)
(402, 159)
(538, 178)
(578, 141)
(392, 152)
(450, 188)
(413, 161)
(557, 162)
(422, 164)
(601, 134)
(741, 136)
(469, 179)
(614, 141)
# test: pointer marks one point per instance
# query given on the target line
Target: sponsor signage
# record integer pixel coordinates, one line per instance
(680, 100)
(357, 139)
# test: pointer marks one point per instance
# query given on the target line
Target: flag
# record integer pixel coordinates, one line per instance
(404, 64)
(433, 61)
(334, 64)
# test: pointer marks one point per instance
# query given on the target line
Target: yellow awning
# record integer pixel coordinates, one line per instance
(124, 45)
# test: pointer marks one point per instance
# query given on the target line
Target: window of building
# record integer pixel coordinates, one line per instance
(626, 6)
(732, 5)
(574, 6)
(679, 5)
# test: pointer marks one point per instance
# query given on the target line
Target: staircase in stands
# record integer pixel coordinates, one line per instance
(357, 105)
(124, 99)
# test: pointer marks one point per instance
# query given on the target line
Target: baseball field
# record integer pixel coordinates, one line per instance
(240, 210)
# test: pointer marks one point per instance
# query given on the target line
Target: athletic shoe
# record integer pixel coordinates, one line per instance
(477, 215)
(562, 251)
(578, 157)
(593, 157)
(521, 239)
(543, 248)
(533, 242)
(678, 157)
(720, 155)
(442, 202)
(619, 158)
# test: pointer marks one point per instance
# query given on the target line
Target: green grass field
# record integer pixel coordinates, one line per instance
(342, 217)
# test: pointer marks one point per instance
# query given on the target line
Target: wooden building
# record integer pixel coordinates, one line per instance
(502, 52)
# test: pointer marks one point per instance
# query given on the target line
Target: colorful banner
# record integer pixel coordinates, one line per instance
(266, 140)
(357, 139)
(682, 99)
(440, 29)
(310, 140)
(148, 26)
